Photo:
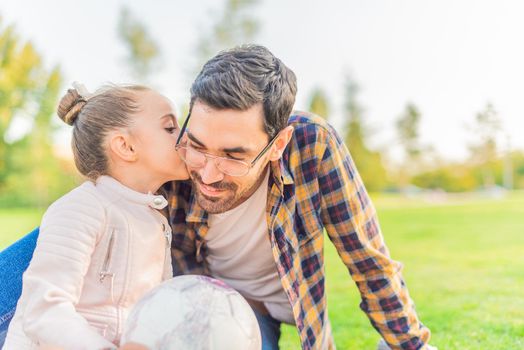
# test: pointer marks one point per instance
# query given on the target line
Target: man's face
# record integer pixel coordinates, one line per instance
(226, 133)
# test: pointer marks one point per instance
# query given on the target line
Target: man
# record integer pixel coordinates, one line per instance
(265, 184)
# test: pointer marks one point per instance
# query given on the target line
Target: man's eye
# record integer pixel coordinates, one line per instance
(195, 147)
(233, 158)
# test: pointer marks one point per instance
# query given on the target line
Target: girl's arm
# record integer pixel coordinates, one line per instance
(53, 282)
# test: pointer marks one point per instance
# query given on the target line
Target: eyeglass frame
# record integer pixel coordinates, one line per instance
(207, 155)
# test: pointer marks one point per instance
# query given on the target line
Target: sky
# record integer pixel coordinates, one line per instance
(450, 58)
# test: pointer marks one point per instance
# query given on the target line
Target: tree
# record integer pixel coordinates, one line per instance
(30, 173)
(234, 26)
(368, 162)
(408, 131)
(484, 151)
(143, 52)
(318, 103)
(20, 72)
(407, 126)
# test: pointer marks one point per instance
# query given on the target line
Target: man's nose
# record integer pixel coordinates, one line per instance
(210, 173)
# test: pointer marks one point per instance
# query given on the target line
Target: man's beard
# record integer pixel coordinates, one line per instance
(215, 205)
(232, 198)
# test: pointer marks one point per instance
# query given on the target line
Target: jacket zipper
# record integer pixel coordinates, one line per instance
(167, 258)
(105, 267)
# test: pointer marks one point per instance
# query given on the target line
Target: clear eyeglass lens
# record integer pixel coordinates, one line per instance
(231, 167)
(197, 159)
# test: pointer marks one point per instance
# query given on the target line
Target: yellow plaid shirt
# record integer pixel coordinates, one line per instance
(314, 187)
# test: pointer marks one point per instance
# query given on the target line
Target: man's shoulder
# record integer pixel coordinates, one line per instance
(310, 129)
(301, 119)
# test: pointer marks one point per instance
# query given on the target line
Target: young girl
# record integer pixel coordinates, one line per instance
(104, 244)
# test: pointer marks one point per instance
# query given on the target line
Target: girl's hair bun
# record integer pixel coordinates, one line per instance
(70, 106)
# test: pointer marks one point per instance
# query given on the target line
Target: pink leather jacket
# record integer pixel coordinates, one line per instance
(101, 247)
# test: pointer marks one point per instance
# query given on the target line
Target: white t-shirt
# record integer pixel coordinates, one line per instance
(239, 253)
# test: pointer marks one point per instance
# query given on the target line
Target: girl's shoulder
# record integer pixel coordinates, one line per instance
(82, 201)
(80, 213)
(87, 192)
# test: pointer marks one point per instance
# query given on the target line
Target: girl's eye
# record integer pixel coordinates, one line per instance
(170, 129)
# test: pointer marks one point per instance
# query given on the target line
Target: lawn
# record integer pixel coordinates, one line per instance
(15, 222)
(463, 262)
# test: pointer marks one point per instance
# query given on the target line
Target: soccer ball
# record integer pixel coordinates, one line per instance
(193, 313)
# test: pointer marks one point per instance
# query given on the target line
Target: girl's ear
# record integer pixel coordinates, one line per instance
(283, 138)
(122, 147)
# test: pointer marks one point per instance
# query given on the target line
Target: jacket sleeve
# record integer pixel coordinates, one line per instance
(352, 225)
(53, 282)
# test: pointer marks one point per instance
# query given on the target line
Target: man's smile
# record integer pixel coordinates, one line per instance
(210, 191)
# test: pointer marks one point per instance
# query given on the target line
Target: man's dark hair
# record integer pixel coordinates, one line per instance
(241, 77)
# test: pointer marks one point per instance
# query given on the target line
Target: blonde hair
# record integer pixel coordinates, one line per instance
(92, 118)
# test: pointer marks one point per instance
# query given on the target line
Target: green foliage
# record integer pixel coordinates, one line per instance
(319, 103)
(20, 72)
(455, 178)
(368, 162)
(484, 151)
(518, 169)
(30, 173)
(234, 26)
(38, 176)
(408, 125)
(460, 177)
(143, 51)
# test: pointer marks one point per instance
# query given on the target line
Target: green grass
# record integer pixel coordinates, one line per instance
(463, 262)
(464, 266)
(14, 223)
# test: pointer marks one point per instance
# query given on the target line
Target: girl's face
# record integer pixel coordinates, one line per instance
(154, 131)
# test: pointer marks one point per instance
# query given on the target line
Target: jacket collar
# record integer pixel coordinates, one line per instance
(112, 186)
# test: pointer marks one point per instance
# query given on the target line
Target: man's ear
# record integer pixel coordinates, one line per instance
(281, 142)
(122, 147)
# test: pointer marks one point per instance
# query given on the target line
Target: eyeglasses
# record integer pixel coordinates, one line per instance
(198, 159)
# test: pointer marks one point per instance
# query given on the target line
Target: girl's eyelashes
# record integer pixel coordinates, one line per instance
(170, 129)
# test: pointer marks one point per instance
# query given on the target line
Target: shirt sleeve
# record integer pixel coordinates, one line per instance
(53, 282)
(186, 253)
(352, 225)
(186, 246)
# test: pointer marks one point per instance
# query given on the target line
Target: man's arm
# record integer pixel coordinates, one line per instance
(352, 225)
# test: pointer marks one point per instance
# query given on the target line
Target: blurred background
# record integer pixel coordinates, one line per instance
(426, 94)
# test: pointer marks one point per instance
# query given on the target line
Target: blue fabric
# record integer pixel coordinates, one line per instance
(13, 262)
(269, 330)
